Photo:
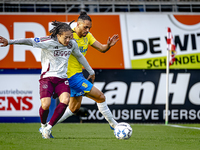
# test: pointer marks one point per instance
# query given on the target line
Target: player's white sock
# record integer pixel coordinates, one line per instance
(66, 114)
(43, 125)
(48, 127)
(103, 108)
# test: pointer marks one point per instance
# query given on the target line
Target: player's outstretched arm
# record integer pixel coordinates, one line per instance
(105, 47)
(4, 41)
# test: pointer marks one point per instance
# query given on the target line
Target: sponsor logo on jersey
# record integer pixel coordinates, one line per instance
(37, 40)
(61, 53)
(56, 47)
(85, 40)
(82, 50)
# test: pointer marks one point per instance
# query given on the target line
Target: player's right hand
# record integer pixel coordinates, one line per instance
(92, 77)
(3, 41)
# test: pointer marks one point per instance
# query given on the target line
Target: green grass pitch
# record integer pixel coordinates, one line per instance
(88, 136)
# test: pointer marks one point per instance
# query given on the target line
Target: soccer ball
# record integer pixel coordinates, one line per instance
(123, 131)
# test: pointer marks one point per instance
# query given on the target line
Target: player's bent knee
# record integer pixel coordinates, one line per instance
(101, 98)
(74, 109)
(65, 101)
(74, 106)
(45, 106)
(45, 103)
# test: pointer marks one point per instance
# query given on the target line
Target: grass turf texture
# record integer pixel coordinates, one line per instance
(84, 136)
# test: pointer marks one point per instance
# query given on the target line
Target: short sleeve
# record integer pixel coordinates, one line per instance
(91, 39)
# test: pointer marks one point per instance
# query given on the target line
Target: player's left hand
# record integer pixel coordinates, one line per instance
(3, 41)
(92, 77)
(113, 40)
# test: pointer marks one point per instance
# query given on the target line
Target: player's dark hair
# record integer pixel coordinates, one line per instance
(59, 28)
(83, 16)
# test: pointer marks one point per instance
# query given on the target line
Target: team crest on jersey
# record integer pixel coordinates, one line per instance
(69, 46)
(37, 40)
(66, 83)
(45, 86)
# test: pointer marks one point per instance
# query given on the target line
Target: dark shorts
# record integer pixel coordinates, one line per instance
(53, 85)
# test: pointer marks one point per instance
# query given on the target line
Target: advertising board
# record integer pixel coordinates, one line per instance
(131, 74)
(139, 96)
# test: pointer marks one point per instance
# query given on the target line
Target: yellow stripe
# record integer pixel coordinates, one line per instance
(187, 61)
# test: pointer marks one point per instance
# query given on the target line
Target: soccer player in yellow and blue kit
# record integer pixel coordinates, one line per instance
(80, 86)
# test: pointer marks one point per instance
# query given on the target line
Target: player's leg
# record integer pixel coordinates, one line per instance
(74, 105)
(45, 96)
(44, 111)
(58, 112)
(99, 97)
(76, 92)
(81, 86)
(62, 90)
(60, 109)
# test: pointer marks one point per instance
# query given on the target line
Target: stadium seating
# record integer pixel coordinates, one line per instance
(98, 6)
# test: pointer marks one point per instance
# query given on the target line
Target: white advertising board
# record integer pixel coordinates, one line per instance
(146, 34)
(19, 95)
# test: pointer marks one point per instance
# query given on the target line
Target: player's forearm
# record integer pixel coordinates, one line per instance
(86, 65)
(105, 48)
(101, 47)
(21, 42)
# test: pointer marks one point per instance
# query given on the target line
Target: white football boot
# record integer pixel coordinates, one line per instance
(46, 134)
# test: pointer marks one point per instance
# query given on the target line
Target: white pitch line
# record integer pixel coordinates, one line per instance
(177, 126)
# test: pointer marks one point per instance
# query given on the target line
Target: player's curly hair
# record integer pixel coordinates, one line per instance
(59, 28)
(83, 16)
